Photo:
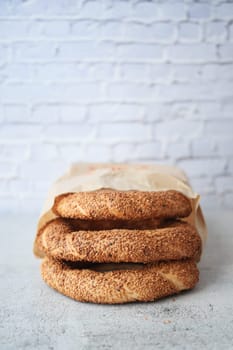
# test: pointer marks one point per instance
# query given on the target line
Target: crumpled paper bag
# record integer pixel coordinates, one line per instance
(143, 177)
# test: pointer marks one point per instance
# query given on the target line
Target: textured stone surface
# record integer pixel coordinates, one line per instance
(33, 316)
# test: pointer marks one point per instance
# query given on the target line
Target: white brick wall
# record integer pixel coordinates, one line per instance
(116, 81)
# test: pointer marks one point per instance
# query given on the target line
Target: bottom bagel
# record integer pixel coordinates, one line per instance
(119, 283)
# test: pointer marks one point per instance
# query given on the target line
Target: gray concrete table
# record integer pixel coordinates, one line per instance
(33, 316)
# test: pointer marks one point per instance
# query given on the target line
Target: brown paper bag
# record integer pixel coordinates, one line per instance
(142, 177)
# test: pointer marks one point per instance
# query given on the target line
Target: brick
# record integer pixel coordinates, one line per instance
(135, 152)
(136, 31)
(230, 166)
(207, 74)
(224, 184)
(35, 28)
(134, 71)
(230, 28)
(199, 91)
(156, 32)
(19, 71)
(100, 71)
(184, 92)
(57, 71)
(216, 32)
(203, 167)
(199, 11)
(42, 50)
(177, 150)
(21, 93)
(4, 187)
(2, 77)
(12, 152)
(177, 129)
(186, 72)
(184, 110)
(223, 11)
(68, 132)
(189, 32)
(219, 127)
(40, 186)
(149, 150)
(218, 72)
(115, 112)
(45, 113)
(20, 186)
(145, 10)
(24, 8)
(2, 114)
(169, 11)
(72, 152)
(36, 199)
(195, 53)
(138, 52)
(204, 147)
(160, 73)
(55, 28)
(211, 201)
(11, 29)
(40, 8)
(163, 32)
(43, 151)
(157, 111)
(228, 201)
(31, 205)
(136, 91)
(101, 152)
(92, 9)
(124, 131)
(226, 51)
(7, 170)
(90, 50)
(27, 193)
(16, 113)
(74, 113)
(209, 110)
(203, 185)
(67, 8)
(124, 152)
(79, 92)
(226, 109)
(51, 93)
(20, 132)
(225, 146)
(9, 204)
(118, 9)
(85, 28)
(112, 29)
(222, 91)
(30, 170)
(3, 53)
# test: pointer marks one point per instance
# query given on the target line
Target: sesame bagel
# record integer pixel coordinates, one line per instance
(95, 225)
(139, 283)
(177, 240)
(122, 205)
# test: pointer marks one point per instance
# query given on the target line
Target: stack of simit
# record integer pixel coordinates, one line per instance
(117, 246)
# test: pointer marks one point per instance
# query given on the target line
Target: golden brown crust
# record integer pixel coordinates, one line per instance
(176, 241)
(94, 225)
(122, 205)
(151, 282)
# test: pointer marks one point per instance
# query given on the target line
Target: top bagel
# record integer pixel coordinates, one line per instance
(108, 204)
